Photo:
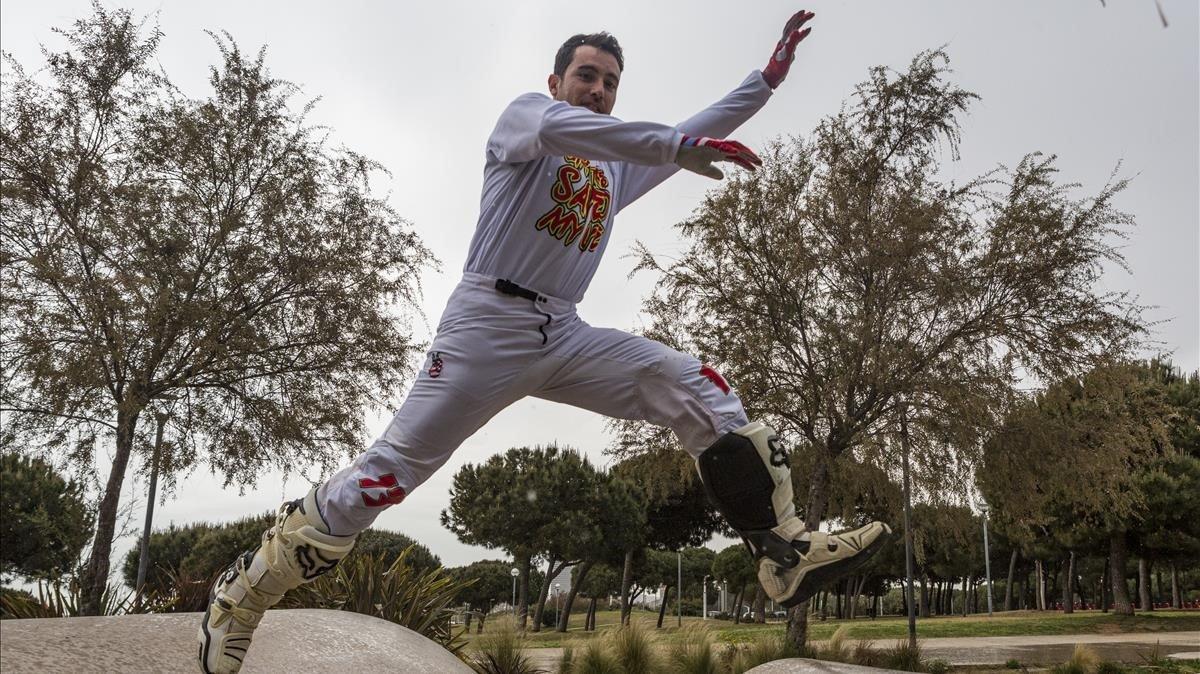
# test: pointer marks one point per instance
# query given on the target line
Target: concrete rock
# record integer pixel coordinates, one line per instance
(808, 666)
(299, 640)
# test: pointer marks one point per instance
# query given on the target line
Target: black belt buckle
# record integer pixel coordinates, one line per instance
(509, 288)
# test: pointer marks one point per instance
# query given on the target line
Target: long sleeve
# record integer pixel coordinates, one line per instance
(718, 120)
(535, 125)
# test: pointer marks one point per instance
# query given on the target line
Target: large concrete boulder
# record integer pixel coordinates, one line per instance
(300, 640)
(808, 666)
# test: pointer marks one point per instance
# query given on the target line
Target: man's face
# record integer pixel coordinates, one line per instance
(590, 81)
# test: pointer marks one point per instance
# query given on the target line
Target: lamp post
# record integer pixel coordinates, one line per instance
(704, 602)
(987, 558)
(557, 591)
(679, 584)
(514, 573)
(724, 591)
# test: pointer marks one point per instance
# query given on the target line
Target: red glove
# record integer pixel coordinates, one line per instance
(785, 50)
(698, 154)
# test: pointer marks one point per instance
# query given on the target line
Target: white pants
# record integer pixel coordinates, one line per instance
(493, 349)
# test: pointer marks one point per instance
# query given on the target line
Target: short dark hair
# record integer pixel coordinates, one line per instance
(604, 41)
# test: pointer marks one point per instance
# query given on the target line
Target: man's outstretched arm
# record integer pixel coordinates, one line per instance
(722, 118)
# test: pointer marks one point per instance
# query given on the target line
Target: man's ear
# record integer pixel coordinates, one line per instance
(552, 82)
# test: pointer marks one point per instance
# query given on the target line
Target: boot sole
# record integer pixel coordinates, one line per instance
(818, 577)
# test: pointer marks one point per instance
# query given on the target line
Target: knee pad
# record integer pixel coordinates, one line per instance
(747, 476)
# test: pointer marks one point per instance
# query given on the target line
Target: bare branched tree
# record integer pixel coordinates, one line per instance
(214, 252)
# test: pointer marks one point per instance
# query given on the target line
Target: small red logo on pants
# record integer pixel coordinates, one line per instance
(715, 377)
(394, 494)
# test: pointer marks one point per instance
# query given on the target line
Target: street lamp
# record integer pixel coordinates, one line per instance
(704, 602)
(514, 573)
(557, 591)
(987, 558)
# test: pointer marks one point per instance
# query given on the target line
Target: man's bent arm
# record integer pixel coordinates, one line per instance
(536, 126)
(718, 120)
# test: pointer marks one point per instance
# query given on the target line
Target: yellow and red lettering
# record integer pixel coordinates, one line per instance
(581, 204)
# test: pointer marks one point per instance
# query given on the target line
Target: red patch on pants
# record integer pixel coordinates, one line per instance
(393, 495)
(715, 377)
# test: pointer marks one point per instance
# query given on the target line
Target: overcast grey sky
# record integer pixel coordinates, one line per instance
(418, 86)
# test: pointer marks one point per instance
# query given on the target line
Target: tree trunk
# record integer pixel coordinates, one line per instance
(1068, 586)
(1144, 585)
(760, 604)
(662, 606)
(95, 575)
(737, 607)
(541, 600)
(523, 564)
(590, 624)
(818, 497)
(479, 623)
(1118, 555)
(1008, 590)
(1105, 579)
(1156, 596)
(967, 587)
(467, 620)
(1176, 595)
(1040, 578)
(565, 616)
(626, 582)
(923, 605)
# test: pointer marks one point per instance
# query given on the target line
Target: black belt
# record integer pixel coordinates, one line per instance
(509, 288)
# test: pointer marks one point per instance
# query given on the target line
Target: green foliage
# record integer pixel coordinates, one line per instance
(400, 592)
(734, 565)
(500, 651)
(762, 651)
(695, 654)
(194, 551)
(44, 519)
(633, 648)
(184, 560)
(491, 584)
(59, 599)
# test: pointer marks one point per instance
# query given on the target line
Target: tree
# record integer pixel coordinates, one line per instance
(677, 513)
(617, 509)
(527, 502)
(199, 551)
(734, 566)
(1105, 429)
(44, 520)
(491, 586)
(843, 280)
(213, 251)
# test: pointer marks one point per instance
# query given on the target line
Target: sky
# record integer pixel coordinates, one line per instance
(418, 86)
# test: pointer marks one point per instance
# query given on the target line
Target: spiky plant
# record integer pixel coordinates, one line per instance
(400, 593)
(499, 650)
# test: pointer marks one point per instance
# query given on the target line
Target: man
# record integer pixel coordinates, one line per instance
(558, 169)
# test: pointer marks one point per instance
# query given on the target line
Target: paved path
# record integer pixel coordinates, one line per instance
(1028, 650)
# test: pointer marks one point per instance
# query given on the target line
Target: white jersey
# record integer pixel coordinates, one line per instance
(557, 174)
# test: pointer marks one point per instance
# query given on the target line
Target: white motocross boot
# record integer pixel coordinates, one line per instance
(294, 551)
(746, 475)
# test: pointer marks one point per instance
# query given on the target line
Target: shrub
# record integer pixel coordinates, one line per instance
(400, 593)
(499, 650)
(56, 599)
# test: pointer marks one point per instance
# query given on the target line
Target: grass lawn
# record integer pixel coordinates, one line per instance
(1013, 623)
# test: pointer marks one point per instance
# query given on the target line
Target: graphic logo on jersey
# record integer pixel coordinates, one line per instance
(581, 202)
(435, 367)
(715, 377)
(393, 495)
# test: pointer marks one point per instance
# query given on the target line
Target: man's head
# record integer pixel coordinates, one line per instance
(587, 70)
